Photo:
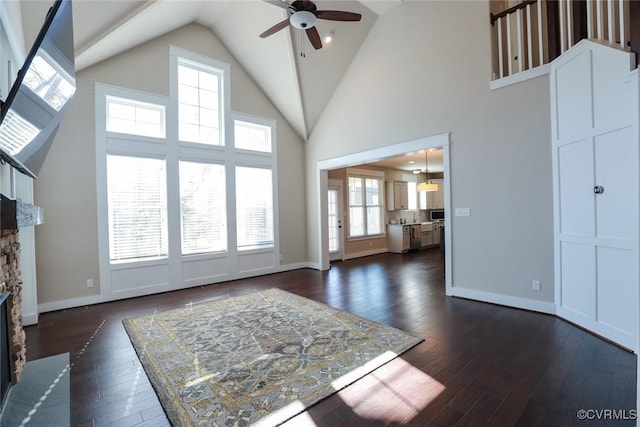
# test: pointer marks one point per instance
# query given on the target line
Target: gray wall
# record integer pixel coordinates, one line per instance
(425, 70)
(67, 244)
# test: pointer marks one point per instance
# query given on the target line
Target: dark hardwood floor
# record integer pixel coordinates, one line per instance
(480, 364)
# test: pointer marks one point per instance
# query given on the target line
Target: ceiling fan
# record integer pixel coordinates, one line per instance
(303, 15)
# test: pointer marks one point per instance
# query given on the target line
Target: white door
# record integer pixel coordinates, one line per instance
(335, 222)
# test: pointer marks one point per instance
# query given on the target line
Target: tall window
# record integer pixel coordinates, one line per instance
(137, 201)
(365, 206)
(254, 199)
(199, 112)
(171, 184)
(203, 207)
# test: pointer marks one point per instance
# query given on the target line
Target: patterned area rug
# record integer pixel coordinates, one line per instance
(256, 359)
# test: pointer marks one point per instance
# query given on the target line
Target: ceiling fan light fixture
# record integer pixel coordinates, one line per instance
(303, 20)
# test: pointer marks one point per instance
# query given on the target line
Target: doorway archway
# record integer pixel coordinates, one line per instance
(323, 166)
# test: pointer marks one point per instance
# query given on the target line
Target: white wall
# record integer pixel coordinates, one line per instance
(425, 70)
(67, 244)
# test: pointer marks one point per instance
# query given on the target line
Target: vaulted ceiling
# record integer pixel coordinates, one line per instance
(299, 86)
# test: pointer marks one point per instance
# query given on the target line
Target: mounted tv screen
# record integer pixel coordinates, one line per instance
(45, 84)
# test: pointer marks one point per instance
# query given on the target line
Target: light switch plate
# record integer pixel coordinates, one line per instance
(463, 212)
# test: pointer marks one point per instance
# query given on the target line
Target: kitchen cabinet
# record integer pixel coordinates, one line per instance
(398, 238)
(426, 234)
(397, 195)
(436, 233)
(435, 199)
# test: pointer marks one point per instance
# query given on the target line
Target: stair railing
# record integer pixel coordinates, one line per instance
(535, 32)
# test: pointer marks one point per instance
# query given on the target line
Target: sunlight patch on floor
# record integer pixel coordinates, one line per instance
(396, 392)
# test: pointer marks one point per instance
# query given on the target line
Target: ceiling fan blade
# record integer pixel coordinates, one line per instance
(314, 37)
(280, 3)
(279, 26)
(338, 15)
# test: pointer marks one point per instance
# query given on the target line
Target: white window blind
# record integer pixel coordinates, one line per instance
(199, 112)
(135, 117)
(365, 206)
(203, 207)
(254, 198)
(137, 205)
(252, 136)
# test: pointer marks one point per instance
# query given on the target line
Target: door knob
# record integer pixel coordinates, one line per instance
(598, 189)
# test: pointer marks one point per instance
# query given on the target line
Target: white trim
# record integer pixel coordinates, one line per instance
(29, 319)
(354, 159)
(354, 255)
(506, 300)
(11, 20)
(532, 73)
(97, 299)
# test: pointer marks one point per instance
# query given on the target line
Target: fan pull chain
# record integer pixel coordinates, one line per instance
(303, 52)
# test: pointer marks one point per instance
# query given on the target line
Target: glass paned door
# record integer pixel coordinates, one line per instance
(334, 210)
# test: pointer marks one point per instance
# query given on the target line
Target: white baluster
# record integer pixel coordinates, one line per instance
(519, 32)
(610, 13)
(540, 38)
(599, 20)
(500, 53)
(562, 26)
(529, 41)
(589, 19)
(623, 42)
(569, 4)
(509, 62)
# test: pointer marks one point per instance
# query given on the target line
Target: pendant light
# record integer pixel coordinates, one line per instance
(427, 185)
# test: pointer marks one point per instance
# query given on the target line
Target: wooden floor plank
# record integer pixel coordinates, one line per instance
(480, 364)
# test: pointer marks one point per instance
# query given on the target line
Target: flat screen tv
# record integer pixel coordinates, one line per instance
(31, 114)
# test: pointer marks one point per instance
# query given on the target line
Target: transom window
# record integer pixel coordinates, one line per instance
(135, 117)
(252, 136)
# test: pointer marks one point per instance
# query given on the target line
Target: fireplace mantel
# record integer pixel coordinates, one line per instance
(16, 214)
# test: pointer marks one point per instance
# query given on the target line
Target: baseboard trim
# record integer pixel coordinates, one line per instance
(29, 319)
(133, 293)
(506, 300)
(364, 253)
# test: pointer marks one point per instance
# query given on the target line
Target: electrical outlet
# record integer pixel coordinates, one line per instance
(89, 283)
(535, 285)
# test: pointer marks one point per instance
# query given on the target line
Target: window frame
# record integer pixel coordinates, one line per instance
(183, 270)
(365, 174)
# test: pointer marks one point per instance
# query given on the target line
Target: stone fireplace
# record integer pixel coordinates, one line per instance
(10, 280)
(13, 216)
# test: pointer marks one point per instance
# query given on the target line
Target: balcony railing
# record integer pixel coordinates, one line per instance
(535, 32)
